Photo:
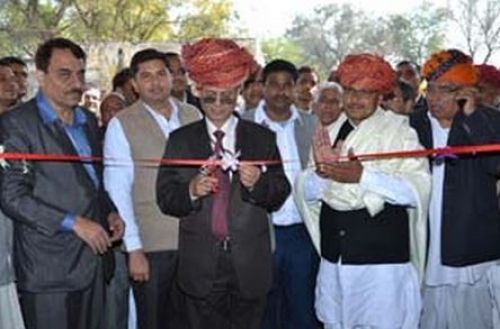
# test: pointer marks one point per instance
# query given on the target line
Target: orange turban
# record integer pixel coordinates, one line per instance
(450, 65)
(367, 72)
(489, 74)
(217, 63)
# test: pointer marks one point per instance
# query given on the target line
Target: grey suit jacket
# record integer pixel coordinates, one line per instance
(248, 219)
(38, 195)
(304, 129)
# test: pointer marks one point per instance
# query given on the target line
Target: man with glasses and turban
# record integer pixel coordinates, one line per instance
(464, 225)
(224, 240)
(370, 216)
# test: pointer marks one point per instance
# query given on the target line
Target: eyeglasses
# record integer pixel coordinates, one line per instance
(358, 93)
(223, 99)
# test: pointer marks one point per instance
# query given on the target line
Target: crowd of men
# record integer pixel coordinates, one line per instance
(246, 199)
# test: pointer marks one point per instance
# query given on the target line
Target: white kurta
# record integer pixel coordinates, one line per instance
(436, 273)
(454, 297)
(10, 312)
(370, 296)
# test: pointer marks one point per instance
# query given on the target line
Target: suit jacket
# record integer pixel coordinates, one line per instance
(38, 195)
(470, 216)
(248, 219)
(304, 130)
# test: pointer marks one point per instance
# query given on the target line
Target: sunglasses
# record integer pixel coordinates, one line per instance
(223, 99)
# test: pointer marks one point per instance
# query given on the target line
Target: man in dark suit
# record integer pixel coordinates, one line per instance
(224, 240)
(460, 287)
(64, 221)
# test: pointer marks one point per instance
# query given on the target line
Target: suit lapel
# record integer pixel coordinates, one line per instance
(424, 131)
(184, 118)
(202, 142)
(301, 141)
(95, 147)
(242, 146)
(58, 133)
(427, 132)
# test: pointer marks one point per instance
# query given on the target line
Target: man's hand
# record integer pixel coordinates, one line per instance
(202, 185)
(116, 226)
(249, 175)
(322, 147)
(138, 266)
(343, 171)
(93, 234)
(467, 96)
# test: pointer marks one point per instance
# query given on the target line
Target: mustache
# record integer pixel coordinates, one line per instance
(75, 91)
(355, 106)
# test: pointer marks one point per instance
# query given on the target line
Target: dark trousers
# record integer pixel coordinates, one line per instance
(83, 309)
(117, 294)
(290, 303)
(157, 299)
(224, 307)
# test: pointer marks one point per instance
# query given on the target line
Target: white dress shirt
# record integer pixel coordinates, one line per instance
(288, 214)
(229, 129)
(119, 170)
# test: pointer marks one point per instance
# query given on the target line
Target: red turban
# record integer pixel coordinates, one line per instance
(450, 65)
(217, 63)
(489, 74)
(367, 72)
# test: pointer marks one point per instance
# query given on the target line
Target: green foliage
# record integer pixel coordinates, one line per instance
(119, 20)
(416, 35)
(281, 48)
(208, 19)
(333, 31)
(26, 23)
(478, 22)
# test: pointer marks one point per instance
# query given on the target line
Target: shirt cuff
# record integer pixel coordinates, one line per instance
(369, 178)
(132, 243)
(68, 223)
(395, 190)
(313, 186)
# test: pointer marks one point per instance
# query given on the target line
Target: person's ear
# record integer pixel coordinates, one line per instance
(196, 90)
(40, 77)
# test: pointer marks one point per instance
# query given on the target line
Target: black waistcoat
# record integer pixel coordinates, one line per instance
(357, 238)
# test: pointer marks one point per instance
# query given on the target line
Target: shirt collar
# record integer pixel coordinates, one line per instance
(173, 106)
(262, 117)
(49, 115)
(435, 125)
(228, 127)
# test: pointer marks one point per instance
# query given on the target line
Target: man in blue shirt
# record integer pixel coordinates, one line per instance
(64, 221)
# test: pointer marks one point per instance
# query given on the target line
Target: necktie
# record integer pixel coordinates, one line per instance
(220, 204)
(343, 132)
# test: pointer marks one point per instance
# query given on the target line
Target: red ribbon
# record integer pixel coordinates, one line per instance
(451, 150)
